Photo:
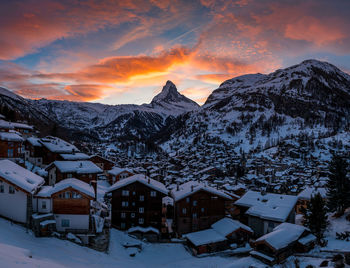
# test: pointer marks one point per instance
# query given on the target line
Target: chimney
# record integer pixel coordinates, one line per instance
(149, 180)
(192, 188)
(177, 187)
(80, 164)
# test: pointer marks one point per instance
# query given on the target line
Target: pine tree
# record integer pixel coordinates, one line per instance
(315, 217)
(338, 186)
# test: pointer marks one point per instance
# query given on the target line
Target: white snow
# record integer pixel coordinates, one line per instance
(227, 226)
(10, 136)
(58, 145)
(191, 187)
(75, 156)
(205, 237)
(270, 206)
(20, 176)
(156, 185)
(79, 167)
(308, 192)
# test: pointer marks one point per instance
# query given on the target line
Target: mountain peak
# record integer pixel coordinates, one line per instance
(171, 100)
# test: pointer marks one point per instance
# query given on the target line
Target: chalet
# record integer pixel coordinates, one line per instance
(53, 147)
(137, 201)
(264, 211)
(10, 141)
(285, 240)
(305, 196)
(102, 163)
(34, 151)
(17, 186)
(82, 170)
(197, 206)
(219, 237)
(69, 201)
(116, 174)
(24, 129)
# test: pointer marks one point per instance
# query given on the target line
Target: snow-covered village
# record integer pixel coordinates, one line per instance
(149, 134)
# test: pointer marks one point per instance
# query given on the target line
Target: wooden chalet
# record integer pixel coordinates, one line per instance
(70, 202)
(305, 196)
(102, 163)
(34, 151)
(17, 186)
(116, 174)
(53, 147)
(285, 240)
(10, 141)
(219, 237)
(82, 170)
(197, 206)
(137, 201)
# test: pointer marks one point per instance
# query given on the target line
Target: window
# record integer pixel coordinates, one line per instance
(2, 188)
(153, 193)
(202, 210)
(187, 199)
(133, 193)
(123, 215)
(10, 153)
(125, 203)
(194, 215)
(141, 221)
(43, 204)
(90, 176)
(194, 203)
(76, 195)
(214, 197)
(69, 175)
(122, 225)
(125, 193)
(184, 211)
(11, 189)
(65, 223)
(141, 210)
(142, 198)
(133, 204)
(132, 215)
(67, 195)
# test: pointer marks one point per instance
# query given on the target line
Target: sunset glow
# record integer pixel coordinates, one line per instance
(124, 51)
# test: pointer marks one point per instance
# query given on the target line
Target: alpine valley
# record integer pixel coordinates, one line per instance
(253, 113)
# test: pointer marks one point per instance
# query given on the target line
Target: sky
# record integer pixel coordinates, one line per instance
(119, 52)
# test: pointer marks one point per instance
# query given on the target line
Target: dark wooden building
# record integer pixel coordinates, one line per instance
(137, 201)
(116, 174)
(82, 170)
(197, 206)
(102, 163)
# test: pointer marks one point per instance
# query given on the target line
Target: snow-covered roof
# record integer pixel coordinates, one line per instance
(6, 125)
(308, 192)
(19, 176)
(34, 141)
(22, 126)
(205, 237)
(276, 207)
(10, 136)
(75, 156)
(227, 226)
(79, 167)
(156, 185)
(58, 145)
(2, 116)
(283, 235)
(143, 229)
(78, 185)
(191, 187)
(117, 170)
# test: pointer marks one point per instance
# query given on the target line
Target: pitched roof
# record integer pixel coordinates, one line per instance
(78, 185)
(58, 145)
(34, 141)
(10, 136)
(5, 124)
(192, 187)
(156, 185)
(308, 192)
(283, 235)
(19, 176)
(118, 170)
(75, 156)
(79, 167)
(205, 237)
(227, 226)
(276, 207)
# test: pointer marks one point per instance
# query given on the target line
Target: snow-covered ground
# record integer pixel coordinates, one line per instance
(19, 248)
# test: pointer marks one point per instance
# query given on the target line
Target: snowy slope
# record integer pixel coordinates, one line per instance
(255, 111)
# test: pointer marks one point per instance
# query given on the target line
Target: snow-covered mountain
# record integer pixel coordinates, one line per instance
(256, 111)
(112, 121)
